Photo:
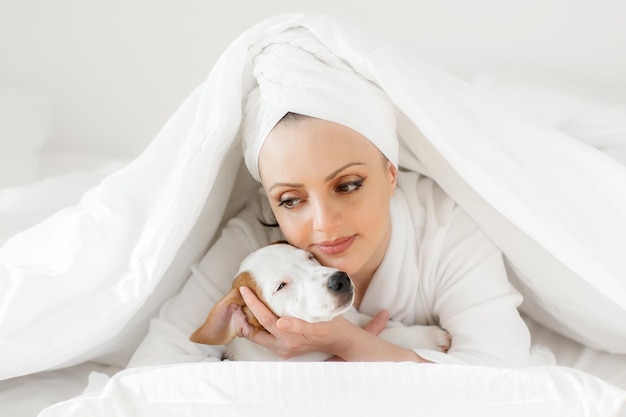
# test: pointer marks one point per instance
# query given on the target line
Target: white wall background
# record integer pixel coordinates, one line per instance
(115, 70)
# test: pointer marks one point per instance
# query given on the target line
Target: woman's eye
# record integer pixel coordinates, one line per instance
(280, 286)
(349, 187)
(289, 203)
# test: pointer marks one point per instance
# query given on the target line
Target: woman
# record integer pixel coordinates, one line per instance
(322, 141)
(334, 203)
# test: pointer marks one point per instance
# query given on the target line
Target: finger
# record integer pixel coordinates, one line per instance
(263, 314)
(261, 337)
(293, 325)
(378, 323)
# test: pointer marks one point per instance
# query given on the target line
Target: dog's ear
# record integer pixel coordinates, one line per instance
(228, 317)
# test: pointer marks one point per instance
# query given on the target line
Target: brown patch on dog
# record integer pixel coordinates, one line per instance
(223, 323)
(245, 279)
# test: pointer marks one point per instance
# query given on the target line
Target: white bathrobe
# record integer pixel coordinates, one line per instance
(439, 269)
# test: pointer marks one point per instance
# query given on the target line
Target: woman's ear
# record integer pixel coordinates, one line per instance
(392, 174)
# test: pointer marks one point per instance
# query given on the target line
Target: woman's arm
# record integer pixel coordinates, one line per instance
(289, 337)
(475, 302)
(472, 299)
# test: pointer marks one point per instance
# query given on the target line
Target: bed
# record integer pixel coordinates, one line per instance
(96, 245)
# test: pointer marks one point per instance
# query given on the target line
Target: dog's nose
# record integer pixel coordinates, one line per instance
(339, 282)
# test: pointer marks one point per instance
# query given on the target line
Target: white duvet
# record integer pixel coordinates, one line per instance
(82, 285)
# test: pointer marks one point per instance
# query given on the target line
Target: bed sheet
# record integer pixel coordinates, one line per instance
(608, 366)
(28, 395)
(61, 390)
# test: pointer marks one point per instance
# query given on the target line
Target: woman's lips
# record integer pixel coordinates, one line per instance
(336, 246)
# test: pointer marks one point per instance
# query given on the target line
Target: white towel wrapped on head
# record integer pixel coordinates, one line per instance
(296, 73)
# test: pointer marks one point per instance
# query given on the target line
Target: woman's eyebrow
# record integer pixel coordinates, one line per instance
(337, 171)
(328, 178)
(285, 184)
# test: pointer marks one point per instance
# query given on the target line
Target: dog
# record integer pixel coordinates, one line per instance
(291, 282)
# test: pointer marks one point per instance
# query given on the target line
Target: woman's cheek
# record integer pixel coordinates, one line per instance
(292, 230)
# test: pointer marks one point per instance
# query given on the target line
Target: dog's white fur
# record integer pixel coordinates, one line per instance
(291, 282)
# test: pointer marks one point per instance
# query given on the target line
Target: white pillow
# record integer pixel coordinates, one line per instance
(24, 128)
(333, 388)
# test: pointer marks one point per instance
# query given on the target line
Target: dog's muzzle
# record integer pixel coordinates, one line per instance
(340, 283)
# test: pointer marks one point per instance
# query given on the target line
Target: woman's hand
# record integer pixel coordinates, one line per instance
(289, 337)
(375, 326)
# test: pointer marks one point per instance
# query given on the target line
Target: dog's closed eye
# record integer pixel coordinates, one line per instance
(313, 258)
(281, 286)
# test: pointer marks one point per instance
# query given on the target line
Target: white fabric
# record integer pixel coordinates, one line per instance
(367, 389)
(22, 397)
(440, 269)
(296, 73)
(112, 259)
(32, 203)
(579, 110)
(168, 338)
(28, 395)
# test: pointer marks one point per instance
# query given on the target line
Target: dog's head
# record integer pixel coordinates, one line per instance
(289, 281)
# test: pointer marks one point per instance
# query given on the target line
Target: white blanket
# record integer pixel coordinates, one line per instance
(81, 285)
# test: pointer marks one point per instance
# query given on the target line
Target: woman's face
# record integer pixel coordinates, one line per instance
(329, 188)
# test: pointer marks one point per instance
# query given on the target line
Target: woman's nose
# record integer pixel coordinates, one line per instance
(326, 215)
